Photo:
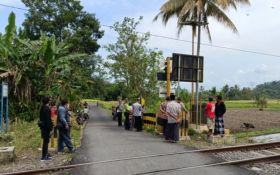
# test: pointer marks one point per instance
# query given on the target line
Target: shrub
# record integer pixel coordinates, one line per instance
(261, 103)
(191, 132)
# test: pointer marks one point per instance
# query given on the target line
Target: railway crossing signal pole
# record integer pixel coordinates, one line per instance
(199, 23)
(168, 79)
(198, 73)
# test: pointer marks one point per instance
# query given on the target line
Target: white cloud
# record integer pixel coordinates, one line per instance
(261, 69)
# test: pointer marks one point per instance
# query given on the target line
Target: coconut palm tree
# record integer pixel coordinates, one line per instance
(196, 13)
(190, 10)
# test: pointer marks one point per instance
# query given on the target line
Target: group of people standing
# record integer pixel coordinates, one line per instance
(54, 118)
(215, 116)
(133, 114)
(170, 115)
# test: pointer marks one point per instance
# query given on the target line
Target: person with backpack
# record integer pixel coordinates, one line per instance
(46, 126)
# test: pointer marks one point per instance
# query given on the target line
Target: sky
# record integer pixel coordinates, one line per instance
(258, 27)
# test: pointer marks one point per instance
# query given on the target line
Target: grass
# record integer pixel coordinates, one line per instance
(108, 104)
(104, 104)
(249, 104)
(243, 134)
(26, 136)
(149, 130)
(90, 100)
(234, 104)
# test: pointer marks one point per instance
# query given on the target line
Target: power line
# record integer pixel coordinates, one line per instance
(180, 40)
(208, 45)
(14, 7)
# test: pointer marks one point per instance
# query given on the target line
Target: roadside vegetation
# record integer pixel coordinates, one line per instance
(26, 137)
(57, 60)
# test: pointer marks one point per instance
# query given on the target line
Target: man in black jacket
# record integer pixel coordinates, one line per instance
(220, 110)
(46, 126)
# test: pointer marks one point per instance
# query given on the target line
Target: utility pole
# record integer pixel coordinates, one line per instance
(198, 73)
(193, 25)
(179, 77)
(198, 23)
(168, 80)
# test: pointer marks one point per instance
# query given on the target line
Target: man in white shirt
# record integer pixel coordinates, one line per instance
(173, 111)
(137, 114)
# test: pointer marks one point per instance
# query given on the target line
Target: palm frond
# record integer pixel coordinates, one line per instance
(170, 9)
(187, 8)
(208, 33)
(215, 12)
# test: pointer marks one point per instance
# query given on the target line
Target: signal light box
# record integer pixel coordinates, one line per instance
(185, 68)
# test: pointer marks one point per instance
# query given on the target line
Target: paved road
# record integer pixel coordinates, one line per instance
(103, 140)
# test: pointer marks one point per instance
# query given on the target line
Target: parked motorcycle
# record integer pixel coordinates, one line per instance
(82, 116)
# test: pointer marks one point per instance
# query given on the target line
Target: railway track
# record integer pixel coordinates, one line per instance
(265, 152)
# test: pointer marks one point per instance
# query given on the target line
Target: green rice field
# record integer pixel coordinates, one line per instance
(246, 104)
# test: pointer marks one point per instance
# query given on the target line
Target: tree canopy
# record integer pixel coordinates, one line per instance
(130, 60)
(191, 10)
(42, 67)
(64, 19)
(268, 90)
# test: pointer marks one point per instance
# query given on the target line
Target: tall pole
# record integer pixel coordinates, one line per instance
(7, 110)
(179, 77)
(2, 107)
(198, 65)
(193, 50)
(168, 80)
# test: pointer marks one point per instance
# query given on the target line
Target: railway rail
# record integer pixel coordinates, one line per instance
(274, 156)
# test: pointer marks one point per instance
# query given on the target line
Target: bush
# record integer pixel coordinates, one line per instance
(261, 103)
(204, 132)
(191, 132)
(150, 130)
(6, 137)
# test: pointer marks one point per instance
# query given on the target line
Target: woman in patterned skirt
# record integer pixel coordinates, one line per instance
(220, 110)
